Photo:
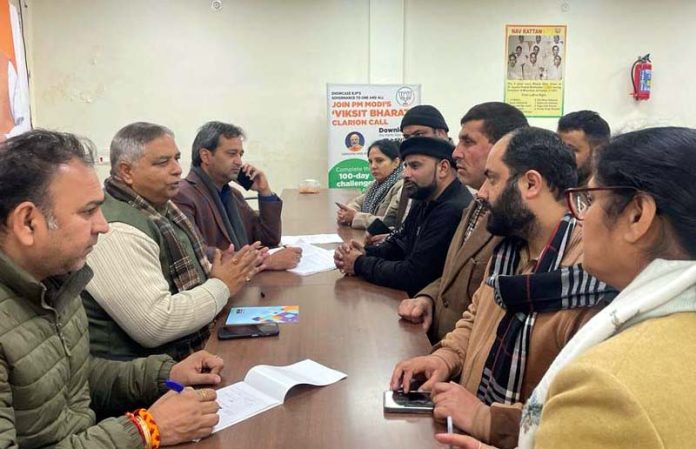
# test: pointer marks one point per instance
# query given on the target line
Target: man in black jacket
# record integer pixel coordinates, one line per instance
(412, 257)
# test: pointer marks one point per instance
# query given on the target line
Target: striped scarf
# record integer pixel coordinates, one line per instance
(182, 268)
(378, 190)
(549, 288)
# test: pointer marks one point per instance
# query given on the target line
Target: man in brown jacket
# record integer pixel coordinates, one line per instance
(439, 305)
(219, 211)
(533, 300)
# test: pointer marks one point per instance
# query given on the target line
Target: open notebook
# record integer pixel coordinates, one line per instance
(265, 387)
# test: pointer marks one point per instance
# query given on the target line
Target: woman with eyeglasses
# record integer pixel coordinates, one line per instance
(628, 377)
(381, 199)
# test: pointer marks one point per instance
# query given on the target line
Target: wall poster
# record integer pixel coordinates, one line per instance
(359, 114)
(535, 60)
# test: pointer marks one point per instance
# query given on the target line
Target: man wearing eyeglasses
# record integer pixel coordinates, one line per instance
(533, 299)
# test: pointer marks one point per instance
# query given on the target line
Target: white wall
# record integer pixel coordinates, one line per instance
(97, 65)
(457, 50)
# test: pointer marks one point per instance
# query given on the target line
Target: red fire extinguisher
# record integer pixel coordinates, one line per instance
(641, 76)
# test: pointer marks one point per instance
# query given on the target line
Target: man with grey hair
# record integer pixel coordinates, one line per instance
(154, 291)
(219, 211)
(51, 388)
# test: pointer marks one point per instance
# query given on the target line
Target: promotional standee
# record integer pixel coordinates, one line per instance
(641, 77)
(357, 116)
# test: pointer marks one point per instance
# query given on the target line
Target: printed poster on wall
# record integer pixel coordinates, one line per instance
(359, 114)
(14, 86)
(535, 58)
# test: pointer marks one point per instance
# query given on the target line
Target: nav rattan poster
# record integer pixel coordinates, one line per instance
(535, 60)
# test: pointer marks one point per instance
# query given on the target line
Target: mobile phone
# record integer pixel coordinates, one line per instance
(244, 180)
(248, 331)
(411, 402)
(378, 227)
(341, 206)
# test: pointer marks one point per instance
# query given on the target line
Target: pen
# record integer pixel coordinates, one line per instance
(450, 427)
(173, 385)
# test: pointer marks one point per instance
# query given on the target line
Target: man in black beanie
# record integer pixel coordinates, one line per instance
(413, 256)
(424, 121)
(419, 121)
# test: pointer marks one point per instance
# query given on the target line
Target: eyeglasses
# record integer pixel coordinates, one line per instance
(580, 199)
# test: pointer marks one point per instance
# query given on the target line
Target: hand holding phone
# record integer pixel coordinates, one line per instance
(341, 206)
(252, 178)
(411, 402)
(244, 180)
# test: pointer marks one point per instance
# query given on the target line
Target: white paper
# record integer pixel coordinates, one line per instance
(265, 387)
(314, 260)
(275, 250)
(316, 239)
(241, 401)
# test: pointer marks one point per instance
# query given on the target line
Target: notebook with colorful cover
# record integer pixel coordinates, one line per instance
(260, 315)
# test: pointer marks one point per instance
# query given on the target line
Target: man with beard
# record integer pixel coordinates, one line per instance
(533, 300)
(413, 256)
(583, 132)
(440, 305)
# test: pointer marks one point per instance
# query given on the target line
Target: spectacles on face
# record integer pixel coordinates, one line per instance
(580, 199)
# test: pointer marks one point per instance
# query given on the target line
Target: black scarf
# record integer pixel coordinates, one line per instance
(378, 190)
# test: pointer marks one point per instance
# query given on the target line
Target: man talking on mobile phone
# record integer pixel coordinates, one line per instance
(219, 211)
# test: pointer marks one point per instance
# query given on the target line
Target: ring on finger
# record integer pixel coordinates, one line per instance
(247, 279)
(202, 394)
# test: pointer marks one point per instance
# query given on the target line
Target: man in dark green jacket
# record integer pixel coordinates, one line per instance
(50, 385)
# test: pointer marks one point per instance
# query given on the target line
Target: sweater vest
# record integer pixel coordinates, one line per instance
(107, 338)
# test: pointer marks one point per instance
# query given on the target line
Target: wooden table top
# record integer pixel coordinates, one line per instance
(346, 324)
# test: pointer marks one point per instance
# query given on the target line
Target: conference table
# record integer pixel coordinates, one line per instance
(346, 324)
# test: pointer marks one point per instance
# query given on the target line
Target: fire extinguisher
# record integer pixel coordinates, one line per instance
(641, 76)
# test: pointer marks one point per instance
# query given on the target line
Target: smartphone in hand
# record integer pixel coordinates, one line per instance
(244, 180)
(411, 402)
